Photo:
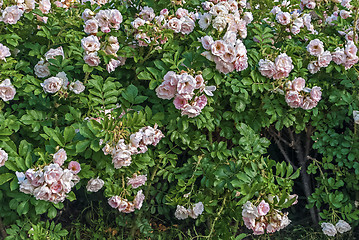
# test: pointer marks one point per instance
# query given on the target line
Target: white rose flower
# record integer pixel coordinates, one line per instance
(329, 229)
(52, 84)
(42, 69)
(63, 77)
(205, 21)
(356, 116)
(77, 87)
(3, 157)
(7, 90)
(181, 212)
(342, 226)
(95, 184)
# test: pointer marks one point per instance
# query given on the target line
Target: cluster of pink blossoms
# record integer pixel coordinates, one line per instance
(194, 211)
(60, 83)
(125, 206)
(121, 152)
(259, 219)
(187, 92)
(295, 96)
(342, 56)
(3, 157)
(183, 22)
(52, 183)
(105, 20)
(137, 180)
(281, 67)
(7, 90)
(229, 53)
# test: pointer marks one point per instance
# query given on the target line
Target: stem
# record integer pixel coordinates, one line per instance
(218, 215)
(2, 230)
(355, 26)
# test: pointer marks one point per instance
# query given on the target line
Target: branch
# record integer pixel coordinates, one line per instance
(2, 230)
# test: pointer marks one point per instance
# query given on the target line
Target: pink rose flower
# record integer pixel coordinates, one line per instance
(324, 59)
(315, 47)
(350, 61)
(52, 84)
(60, 157)
(186, 84)
(147, 14)
(4, 52)
(298, 84)
(52, 173)
(35, 178)
(91, 26)
(92, 59)
(166, 90)
(308, 103)
(259, 228)
(294, 99)
(339, 56)
(7, 90)
(137, 181)
(283, 18)
(12, 14)
(263, 208)
(41, 69)
(187, 25)
(95, 184)
(175, 24)
(90, 44)
(114, 201)
(115, 19)
(199, 81)
(53, 52)
(190, 111)
(267, 68)
(45, 6)
(138, 22)
(87, 14)
(350, 49)
(3, 157)
(77, 87)
(180, 101)
(42, 193)
(74, 167)
(138, 201)
(56, 187)
(313, 67)
(283, 65)
(316, 94)
(103, 17)
(207, 42)
(200, 101)
(218, 48)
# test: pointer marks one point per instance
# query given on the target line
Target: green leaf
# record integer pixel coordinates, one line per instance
(6, 177)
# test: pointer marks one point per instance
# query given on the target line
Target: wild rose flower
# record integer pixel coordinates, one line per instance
(91, 26)
(90, 44)
(87, 14)
(147, 14)
(175, 24)
(42, 193)
(53, 52)
(12, 14)
(308, 103)
(329, 229)
(310, 5)
(3, 157)
(114, 201)
(77, 87)
(4, 52)
(283, 18)
(7, 90)
(342, 226)
(339, 56)
(315, 47)
(187, 25)
(180, 101)
(45, 6)
(294, 99)
(63, 77)
(284, 222)
(166, 90)
(266, 68)
(36, 179)
(218, 48)
(103, 19)
(115, 19)
(94, 184)
(92, 59)
(26, 187)
(186, 84)
(283, 65)
(313, 67)
(201, 101)
(191, 111)
(324, 59)
(249, 210)
(138, 22)
(41, 69)
(344, 14)
(298, 84)
(181, 213)
(219, 23)
(74, 167)
(316, 94)
(138, 201)
(196, 210)
(52, 173)
(60, 157)
(205, 21)
(258, 229)
(137, 181)
(263, 208)
(350, 49)
(350, 62)
(248, 17)
(207, 42)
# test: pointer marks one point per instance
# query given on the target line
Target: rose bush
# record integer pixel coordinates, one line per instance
(189, 118)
